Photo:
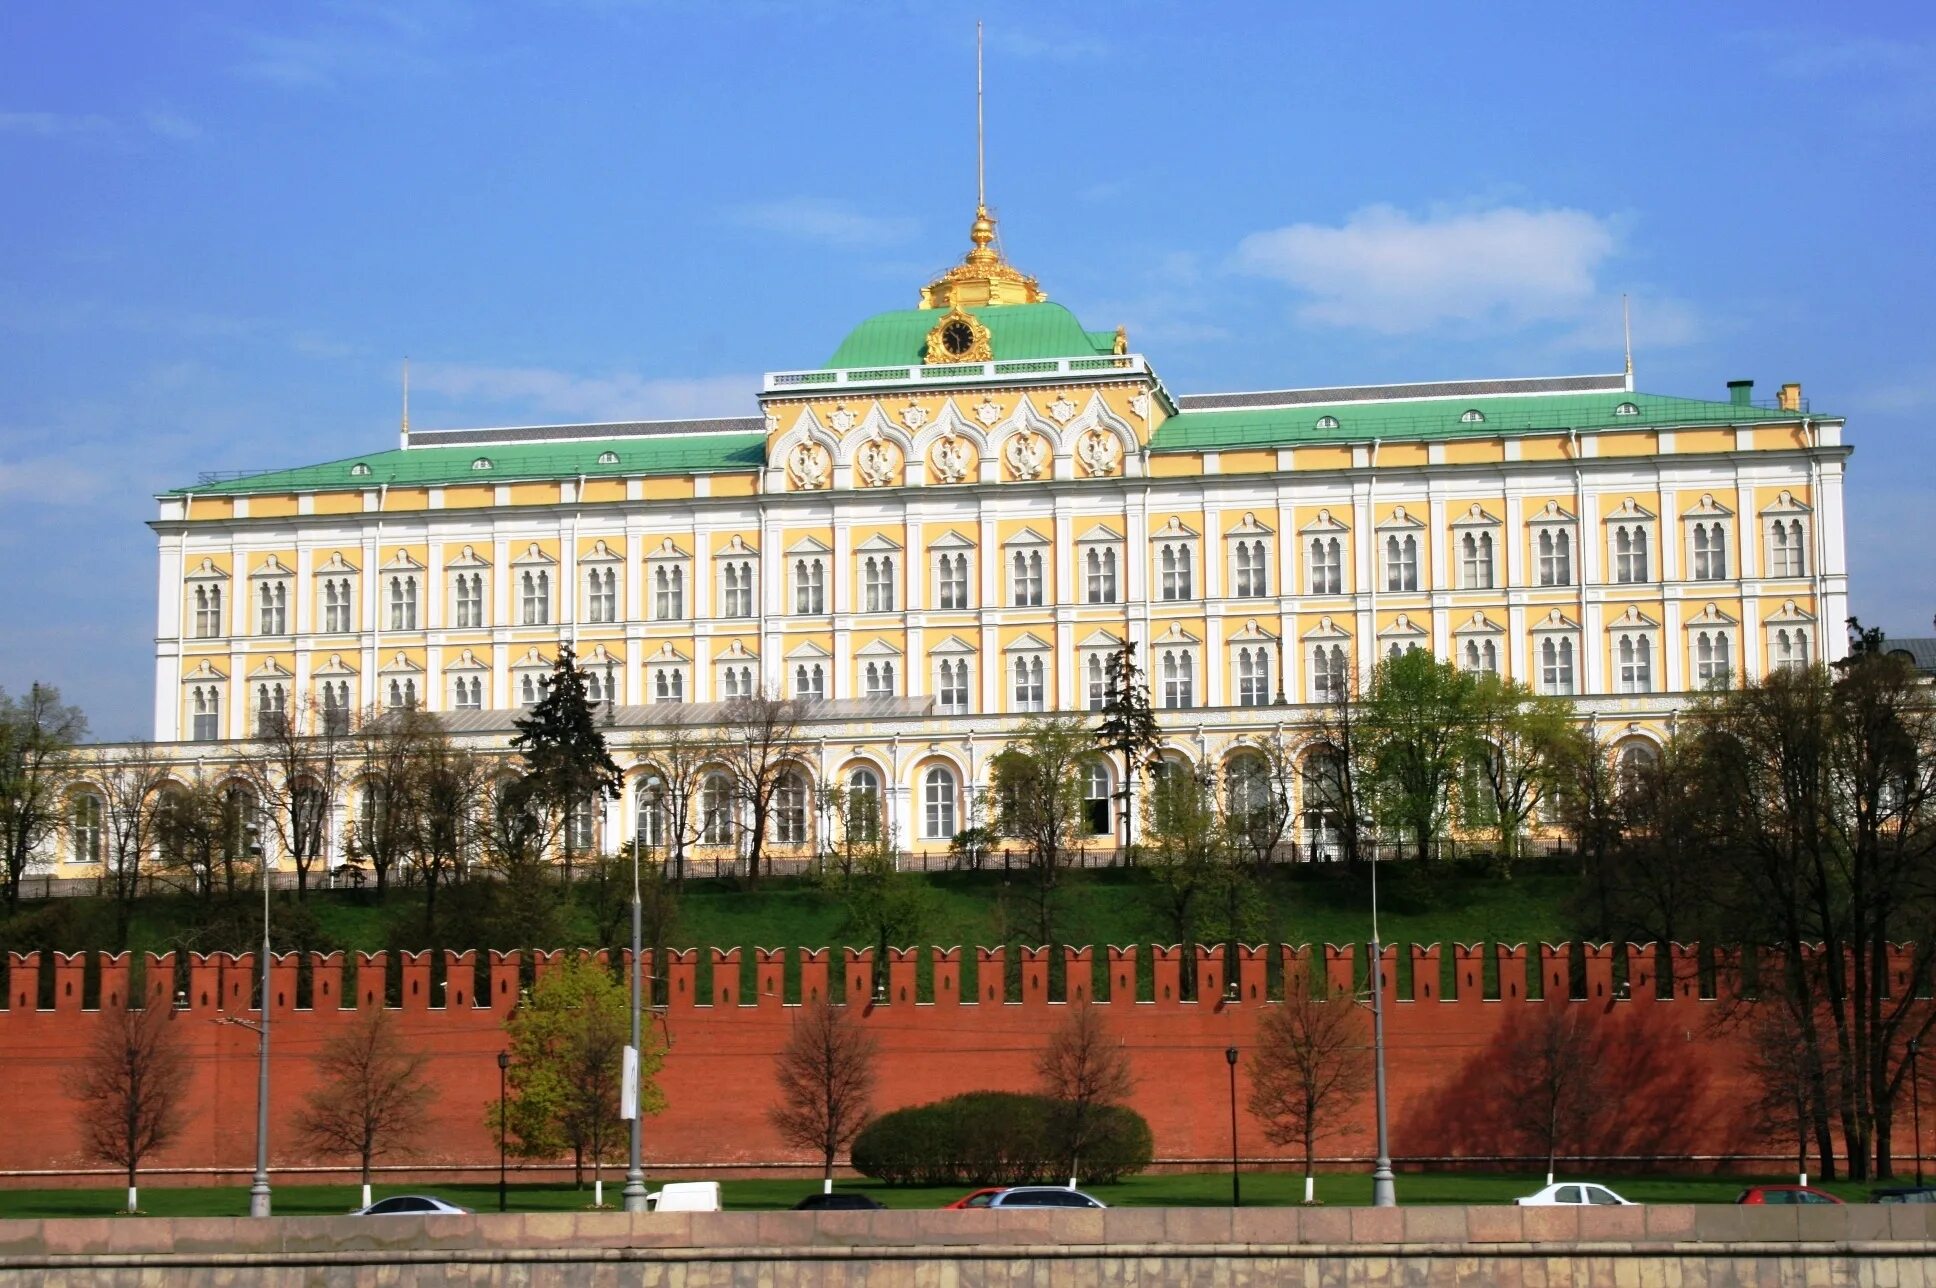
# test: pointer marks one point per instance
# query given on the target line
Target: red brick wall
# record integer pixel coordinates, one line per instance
(1676, 1073)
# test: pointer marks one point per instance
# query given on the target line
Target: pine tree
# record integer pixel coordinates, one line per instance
(1128, 730)
(564, 750)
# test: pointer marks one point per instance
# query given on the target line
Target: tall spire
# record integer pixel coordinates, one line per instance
(1626, 335)
(982, 278)
(406, 396)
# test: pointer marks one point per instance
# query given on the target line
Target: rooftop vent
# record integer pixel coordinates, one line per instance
(1741, 392)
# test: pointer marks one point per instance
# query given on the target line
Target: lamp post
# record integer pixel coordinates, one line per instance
(1236, 1193)
(1381, 1171)
(259, 1188)
(1916, 1108)
(635, 1171)
(503, 1063)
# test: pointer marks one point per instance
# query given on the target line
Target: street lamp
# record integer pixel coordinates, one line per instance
(503, 1063)
(259, 1188)
(1236, 1194)
(635, 1171)
(1916, 1108)
(1381, 1171)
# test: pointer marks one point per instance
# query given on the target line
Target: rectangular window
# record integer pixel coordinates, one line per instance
(952, 581)
(468, 693)
(1099, 569)
(1026, 583)
(1630, 553)
(1327, 566)
(1556, 666)
(1249, 570)
(1710, 552)
(470, 600)
(535, 587)
(601, 594)
(403, 603)
(1253, 677)
(1785, 548)
(1028, 683)
(877, 582)
(1096, 672)
(1475, 561)
(668, 684)
(668, 593)
(810, 682)
(1179, 680)
(877, 679)
(1401, 563)
(954, 687)
(809, 586)
(736, 585)
(1327, 672)
(1555, 551)
(272, 601)
(1175, 560)
(205, 712)
(1634, 663)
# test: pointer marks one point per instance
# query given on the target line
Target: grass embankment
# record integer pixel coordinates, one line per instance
(1201, 1189)
(1102, 906)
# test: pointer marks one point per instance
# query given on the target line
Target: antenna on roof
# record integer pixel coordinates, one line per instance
(1626, 331)
(981, 169)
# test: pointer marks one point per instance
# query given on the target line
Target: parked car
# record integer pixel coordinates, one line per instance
(975, 1198)
(837, 1202)
(685, 1196)
(411, 1205)
(1785, 1194)
(1906, 1194)
(1573, 1194)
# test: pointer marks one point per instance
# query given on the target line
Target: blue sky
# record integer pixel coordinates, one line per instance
(222, 226)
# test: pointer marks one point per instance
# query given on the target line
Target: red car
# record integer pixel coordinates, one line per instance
(978, 1199)
(1785, 1194)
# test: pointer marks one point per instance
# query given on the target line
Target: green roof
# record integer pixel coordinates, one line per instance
(1015, 331)
(509, 462)
(1431, 418)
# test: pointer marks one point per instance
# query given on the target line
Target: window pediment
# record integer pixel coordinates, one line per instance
(878, 648)
(1176, 635)
(1326, 629)
(600, 553)
(878, 542)
(1711, 616)
(400, 664)
(1478, 624)
(1027, 642)
(1101, 639)
(271, 670)
(954, 644)
(1399, 517)
(666, 550)
(203, 671)
(1476, 516)
(1248, 526)
(207, 571)
(1790, 612)
(1555, 621)
(1174, 530)
(1403, 627)
(532, 659)
(272, 567)
(1251, 631)
(1026, 537)
(667, 655)
(1097, 534)
(403, 561)
(809, 546)
(736, 549)
(468, 558)
(1785, 503)
(466, 661)
(1632, 619)
(1551, 512)
(1325, 522)
(1707, 508)
(337, 666)
(1629, 511)
(807, 648)
(951, 540)
(534, 556)
(735, 652)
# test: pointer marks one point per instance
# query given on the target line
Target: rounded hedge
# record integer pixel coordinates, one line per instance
(998, 1138)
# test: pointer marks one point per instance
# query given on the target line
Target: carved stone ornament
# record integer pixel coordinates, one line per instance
(1063, 410)
(772, 422)
(988, 412)
(1097, 452)
(914, 415)
(877, 461)
(841, 419)
(1027, 454)
(949, 459)
(1140, 405)
(810, 467)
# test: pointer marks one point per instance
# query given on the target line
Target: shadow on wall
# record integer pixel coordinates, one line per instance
(1650, 1091)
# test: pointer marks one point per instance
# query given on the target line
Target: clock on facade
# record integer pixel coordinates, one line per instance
(959, 336)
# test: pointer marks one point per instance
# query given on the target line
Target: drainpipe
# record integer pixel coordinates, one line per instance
(1579, 560)
(1371, 505)
(373, 696)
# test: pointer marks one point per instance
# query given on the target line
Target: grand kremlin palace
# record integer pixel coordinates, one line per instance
(952, 522)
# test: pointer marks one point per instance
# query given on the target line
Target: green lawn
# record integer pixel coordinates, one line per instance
(1314, 905)
(1201, 1189)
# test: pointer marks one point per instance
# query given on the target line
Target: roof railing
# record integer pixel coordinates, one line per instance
(951, 373)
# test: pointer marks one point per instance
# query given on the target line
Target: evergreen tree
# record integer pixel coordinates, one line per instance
(564, 749)
(1128, 730)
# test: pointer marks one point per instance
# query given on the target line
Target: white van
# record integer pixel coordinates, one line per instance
(686, 1196)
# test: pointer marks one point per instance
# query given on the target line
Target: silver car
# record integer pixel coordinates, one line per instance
(411, 1205)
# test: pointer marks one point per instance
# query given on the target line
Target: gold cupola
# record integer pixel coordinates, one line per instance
(983, 278)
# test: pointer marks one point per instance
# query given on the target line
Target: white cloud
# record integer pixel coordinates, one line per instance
(545, 392)
(173, 125)
(1386, 271)
(52, 125)
(819, 219)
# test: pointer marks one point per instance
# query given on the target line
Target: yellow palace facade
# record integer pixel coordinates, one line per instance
(950, 524)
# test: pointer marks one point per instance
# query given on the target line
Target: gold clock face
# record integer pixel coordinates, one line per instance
(957, 337)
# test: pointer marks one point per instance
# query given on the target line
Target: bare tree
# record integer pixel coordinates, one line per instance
(37, 736)
(1336, 775)
(128, 782)
(826, 1076)
(297, 773)
(1311, 1065)
(386, 749)
(202, 833)
(1258, 791)
(130, 1089)
(762, 746)
(1558, 1079)
(373, 1095)
(448, 792)
(1780, 1061)
(1084, 1070)
(678, 756)
(1039, 802)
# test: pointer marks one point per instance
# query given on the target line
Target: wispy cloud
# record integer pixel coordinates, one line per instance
(53, 125)
(172, 125)
(365, 40)
(544, 392)
(1038, 45)
(1811, 54)
(823, 220)
(1387, 271)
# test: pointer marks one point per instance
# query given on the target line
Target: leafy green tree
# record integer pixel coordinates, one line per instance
(1127, 730)
(566, 761)
(1516, 740)
(1206, 887)
(567, 1043)
(862, 870)
(37, 736)
(447, 819)
(1416, 726)
(1039, 802)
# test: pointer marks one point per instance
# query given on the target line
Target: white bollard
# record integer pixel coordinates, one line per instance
(826, 1185)
(131, 1200)
(1310, 1189)
(366, 1194)
(598, 1193)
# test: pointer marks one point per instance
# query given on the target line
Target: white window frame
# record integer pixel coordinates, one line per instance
(737, 574)
(1557, 659)
(877, 576)
(1028, 673)
(1398, 548)
(271, 603)
(1026, 568)
(1708, 539)
(204, 704)
(808, 574)
(1249, 552)
(1789, 644)
(1477, 549)
(809, 680)
(402, 599)
(1553, 555)
(1710, 652)
(1251, 663)
(952, 573)
(1635, 660)
(1173, 561)
(939, 796)
(954, 684)
(1177, 677)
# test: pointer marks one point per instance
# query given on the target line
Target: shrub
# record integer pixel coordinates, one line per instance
(992, 1138)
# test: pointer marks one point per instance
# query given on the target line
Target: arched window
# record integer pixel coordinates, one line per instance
(716, 810)
(85, 833)
(1250, 569)
(1253, 677)
(1327, 672)
(1098, 677)
(1634, 655)
(1711, 657)
(1327, 566)
(790, 810)
(1097, 788)
(938, 804)
(1101, 566)
(1630, 553)
(1555, 557)
(1179, 679)
(1791, 649)
(1248, 786)
(1556, 666)
(1710, 552)
(1633, 760)
(1028, 579)
(205, 712)
(1475, 567)
(954, 581)
(954, 686)
(536, 597)
(879, 581)
(648, 810)
(1401, 563)
(863, 806)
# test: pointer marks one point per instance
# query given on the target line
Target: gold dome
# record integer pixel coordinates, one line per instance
(983, 277)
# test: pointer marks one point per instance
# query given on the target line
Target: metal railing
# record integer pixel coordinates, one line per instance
(918, 374)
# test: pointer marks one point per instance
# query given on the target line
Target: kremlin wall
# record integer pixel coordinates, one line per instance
(1671, 1046)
